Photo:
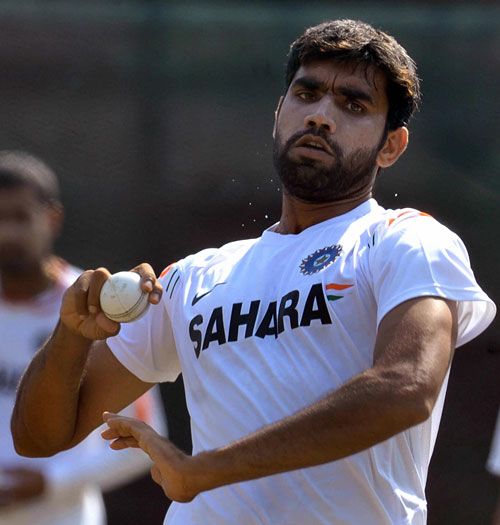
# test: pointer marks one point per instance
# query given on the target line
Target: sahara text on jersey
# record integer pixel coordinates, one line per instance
(272, 322)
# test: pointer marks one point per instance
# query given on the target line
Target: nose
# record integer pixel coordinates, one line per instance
(321, 117)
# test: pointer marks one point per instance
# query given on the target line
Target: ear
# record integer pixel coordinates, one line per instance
(276, 115)
(393, 148)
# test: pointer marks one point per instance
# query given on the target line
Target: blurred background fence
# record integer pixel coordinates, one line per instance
(157, 116)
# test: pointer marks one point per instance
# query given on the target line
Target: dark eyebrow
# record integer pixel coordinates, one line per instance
(351, 92)
(308, 82)
(355, 93)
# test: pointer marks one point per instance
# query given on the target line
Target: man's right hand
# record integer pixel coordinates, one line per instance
(71, 380)
(81, 310)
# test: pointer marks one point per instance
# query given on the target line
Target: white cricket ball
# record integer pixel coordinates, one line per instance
(122, 299)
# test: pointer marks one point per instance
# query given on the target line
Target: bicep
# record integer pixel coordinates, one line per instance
(106, 385)
(416, 342)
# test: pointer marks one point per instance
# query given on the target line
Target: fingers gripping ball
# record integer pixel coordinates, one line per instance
(122, 299)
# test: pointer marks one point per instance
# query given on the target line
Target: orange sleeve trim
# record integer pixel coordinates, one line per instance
(334, 286)
(422, 213)
(166, 270)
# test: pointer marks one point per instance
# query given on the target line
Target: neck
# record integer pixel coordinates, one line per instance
(298, 215)
(26, 284)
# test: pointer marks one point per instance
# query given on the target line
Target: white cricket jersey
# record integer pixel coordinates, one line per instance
(75, 478)
(261, 328)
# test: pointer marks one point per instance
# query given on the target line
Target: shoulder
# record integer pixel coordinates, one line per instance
(209, 257)
(408, 236)
(409, 225)
(409, 241)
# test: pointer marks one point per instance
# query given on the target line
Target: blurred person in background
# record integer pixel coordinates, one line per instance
(65, 489)
(494, 466)
(315, 357)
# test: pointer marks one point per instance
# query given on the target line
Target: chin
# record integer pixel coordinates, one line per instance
(307, 182)
(303, 161)
(308, 194)
(321, 194)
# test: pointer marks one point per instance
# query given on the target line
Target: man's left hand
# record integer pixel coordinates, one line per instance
(172, 469)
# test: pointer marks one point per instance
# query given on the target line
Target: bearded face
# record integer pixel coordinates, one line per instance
(330, 132)
(326, 177)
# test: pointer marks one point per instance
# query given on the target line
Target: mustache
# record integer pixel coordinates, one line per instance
(317, 132)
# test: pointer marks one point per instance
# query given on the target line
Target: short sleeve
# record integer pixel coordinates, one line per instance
(418, 257)
(146, 347)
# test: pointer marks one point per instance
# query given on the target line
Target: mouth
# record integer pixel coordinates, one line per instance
(313, 144)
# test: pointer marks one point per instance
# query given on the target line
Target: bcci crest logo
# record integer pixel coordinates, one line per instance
(320, 259)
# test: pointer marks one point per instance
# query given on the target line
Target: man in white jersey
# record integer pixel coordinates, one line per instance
(315, 358)
(65, 489)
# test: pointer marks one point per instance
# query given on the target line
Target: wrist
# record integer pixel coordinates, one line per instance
(204, 473)
(65, 334)
(212, 469)
(65, 345)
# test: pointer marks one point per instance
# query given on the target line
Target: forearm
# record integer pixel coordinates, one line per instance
(413, 351)
(45, 413)
(365, 411)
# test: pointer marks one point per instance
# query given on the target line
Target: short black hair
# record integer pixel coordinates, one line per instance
(19, 168)
(353, 41)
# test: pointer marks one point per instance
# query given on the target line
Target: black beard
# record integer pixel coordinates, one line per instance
(310, 181)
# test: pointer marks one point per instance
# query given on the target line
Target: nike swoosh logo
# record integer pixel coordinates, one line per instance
(197, 297)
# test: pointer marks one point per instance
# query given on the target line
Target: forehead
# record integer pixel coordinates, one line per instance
(332, 75)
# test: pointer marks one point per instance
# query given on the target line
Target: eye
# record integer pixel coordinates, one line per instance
(354, 107)
(305, 95)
